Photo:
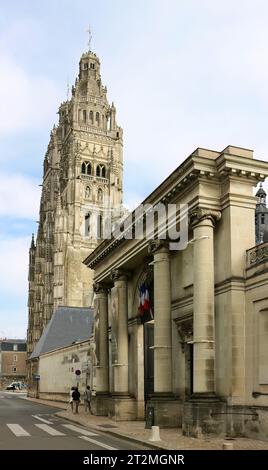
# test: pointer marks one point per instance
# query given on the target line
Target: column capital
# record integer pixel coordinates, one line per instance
(157, 245)
(199, 214)
(118, 274)
(100, 288)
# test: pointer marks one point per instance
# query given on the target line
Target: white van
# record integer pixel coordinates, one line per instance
(16, 386)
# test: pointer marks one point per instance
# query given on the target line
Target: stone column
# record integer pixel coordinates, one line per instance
(203, 222)
(121, 366)
(102, 342)
(162, 318)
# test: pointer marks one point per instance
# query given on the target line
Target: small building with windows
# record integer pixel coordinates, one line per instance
(63, 349)
(13, 355)
(182, 308)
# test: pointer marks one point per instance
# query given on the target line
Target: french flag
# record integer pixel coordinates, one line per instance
(145, 305)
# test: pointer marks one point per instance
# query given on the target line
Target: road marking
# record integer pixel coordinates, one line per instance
(100, 444)
(80, 430)
(18, 430)
(49, 430)
(42, 419)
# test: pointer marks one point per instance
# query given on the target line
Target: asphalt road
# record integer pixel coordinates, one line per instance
(25, 425)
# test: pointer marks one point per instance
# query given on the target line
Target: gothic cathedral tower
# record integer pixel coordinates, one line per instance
(82, 175)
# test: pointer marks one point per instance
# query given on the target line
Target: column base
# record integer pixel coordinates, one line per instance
(122, 407)
(100, 404)
(167, 410)
(204, 414)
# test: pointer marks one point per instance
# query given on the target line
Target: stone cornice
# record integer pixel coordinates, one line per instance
(239, 166)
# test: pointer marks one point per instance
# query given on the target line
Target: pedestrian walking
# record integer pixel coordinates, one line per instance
(76, 400)
(71, 398)
(87, 399)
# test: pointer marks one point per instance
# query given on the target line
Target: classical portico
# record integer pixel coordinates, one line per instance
(197, 315)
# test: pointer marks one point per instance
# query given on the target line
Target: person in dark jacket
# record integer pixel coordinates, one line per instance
(76, 399)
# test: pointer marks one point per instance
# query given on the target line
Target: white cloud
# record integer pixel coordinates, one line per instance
(14, 266)
(19, 196)
(27, 101)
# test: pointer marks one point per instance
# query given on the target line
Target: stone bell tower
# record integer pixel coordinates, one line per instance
(82, 180)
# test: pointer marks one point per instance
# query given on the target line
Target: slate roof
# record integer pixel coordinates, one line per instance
(67, 325)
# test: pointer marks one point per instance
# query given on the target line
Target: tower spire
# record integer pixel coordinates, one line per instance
(32, 242)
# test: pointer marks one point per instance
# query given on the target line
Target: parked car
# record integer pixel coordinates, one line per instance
(11, 387)
(16, 386)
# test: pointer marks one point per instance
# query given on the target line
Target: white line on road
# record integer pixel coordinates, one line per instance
(49, 430)
(18, 430)
(80, 430)
(100, 444)
(42, 419)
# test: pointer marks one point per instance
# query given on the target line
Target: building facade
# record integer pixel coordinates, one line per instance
(63, 349)
(82, 178)
(13, 355)
(182, 308)
(64, 362)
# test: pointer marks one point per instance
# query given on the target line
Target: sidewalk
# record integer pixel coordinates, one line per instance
(171, 438)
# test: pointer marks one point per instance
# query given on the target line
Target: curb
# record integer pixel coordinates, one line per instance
(115, 434)
(98, 428)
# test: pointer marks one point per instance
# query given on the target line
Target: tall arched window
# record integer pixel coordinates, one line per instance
(98, 119)
(101, 171)
(91, 117)
(100, 195)
(89, 168)
(83, 168)
(100, 227)
(87, 225)
(84, 115)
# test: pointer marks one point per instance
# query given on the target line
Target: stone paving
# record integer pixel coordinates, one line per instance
(171, 439)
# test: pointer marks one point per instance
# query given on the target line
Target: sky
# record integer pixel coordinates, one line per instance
(182, 74)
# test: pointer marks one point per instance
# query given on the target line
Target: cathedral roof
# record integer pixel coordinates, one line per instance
(68, 325)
